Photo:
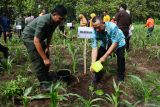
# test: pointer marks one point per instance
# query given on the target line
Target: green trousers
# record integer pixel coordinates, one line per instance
(37, 62)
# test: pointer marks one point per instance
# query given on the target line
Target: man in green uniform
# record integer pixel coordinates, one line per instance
(37, 36)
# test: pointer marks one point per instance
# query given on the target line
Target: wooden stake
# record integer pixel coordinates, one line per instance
(84, 55)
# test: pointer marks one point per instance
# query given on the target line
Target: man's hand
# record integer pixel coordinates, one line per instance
(7, 33)
(91, 69)
(47, 62)
(109, 52)
(102, 59)
(41, 52)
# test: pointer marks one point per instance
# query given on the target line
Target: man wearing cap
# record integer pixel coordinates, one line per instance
(37, 36)
(111, 38)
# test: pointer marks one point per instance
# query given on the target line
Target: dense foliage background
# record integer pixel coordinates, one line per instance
(140, 9)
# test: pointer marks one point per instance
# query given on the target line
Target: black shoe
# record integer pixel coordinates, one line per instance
(96, 81)
(120, 79)
(52, 76)
(44, 87)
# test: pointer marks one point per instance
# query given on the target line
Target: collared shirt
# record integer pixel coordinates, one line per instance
(42, 27)
(112, 34)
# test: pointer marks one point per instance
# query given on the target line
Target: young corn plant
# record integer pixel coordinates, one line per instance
(126, 55)
(128, 104)
(156, 40)
(114, 97)
(147, 92)
(26, 55)
(73, 53)
(18, 55)
(155, 87)
(25, 96)
(158, 54)
(57, 59)
(54, 94)
(57, 94)
(64, 42)
(92, 91)
(7, 65)
(90, 102)
(143, 44)
(14, 42)
(134, 42)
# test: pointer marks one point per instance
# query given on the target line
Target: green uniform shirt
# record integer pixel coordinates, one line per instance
(42, 27)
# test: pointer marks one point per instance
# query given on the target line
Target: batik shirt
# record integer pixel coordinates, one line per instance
(112, 35)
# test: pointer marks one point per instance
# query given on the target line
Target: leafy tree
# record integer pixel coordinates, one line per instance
(140, 9)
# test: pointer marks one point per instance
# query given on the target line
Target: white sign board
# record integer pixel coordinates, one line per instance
(69, 25)
(18, 27)
(85, 32)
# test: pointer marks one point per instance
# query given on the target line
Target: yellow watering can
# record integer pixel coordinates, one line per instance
(97, 66)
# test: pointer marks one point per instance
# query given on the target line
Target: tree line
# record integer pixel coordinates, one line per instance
(139, 9)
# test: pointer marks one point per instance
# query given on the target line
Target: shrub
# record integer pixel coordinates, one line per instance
(15, 87)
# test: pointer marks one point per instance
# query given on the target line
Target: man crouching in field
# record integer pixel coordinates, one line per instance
(112, 38)
(34, 36)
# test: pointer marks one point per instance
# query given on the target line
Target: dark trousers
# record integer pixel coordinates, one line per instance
(5, 36)
(0, 32)
(37, 62)
(127, 39)
(125, 31)
(120, 63)
(149, 31)
(4, 50)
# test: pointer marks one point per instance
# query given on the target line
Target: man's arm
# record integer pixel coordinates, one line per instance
(147, 23)
(40, 51)
(94, 50)
(94, 55)
(110, 50)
